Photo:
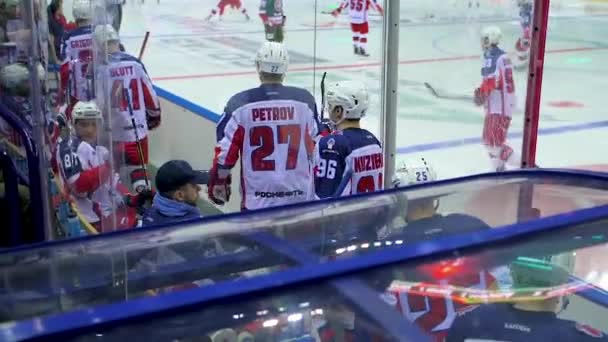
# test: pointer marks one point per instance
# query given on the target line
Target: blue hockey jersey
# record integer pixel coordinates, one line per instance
(502, 322)
(348, 162)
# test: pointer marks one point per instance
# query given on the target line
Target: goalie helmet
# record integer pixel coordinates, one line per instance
(414, 172)
(352, 96)
(490, 35)
(104, 34)
(81, 9)
(272, 58)
(84, 110)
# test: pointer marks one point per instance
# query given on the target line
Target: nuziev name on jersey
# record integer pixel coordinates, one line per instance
(369, 162)
(273, 113)
(279, 194)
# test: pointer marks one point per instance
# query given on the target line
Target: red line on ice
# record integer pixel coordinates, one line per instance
(357, 65)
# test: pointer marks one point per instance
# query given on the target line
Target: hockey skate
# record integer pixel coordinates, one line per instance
(363, 53)
(356, 50)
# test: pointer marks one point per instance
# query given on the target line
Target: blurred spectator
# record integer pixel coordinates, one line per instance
(177, 186)
(58, 25)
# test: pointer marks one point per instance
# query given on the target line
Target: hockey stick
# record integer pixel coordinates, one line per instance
(345, 180)
(323, 95)
(140, 150)
(143, 45)
(446, 96)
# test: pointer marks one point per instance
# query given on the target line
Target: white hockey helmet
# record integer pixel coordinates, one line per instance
(81, 9)
(414, 172)
(224, 335)
(14, 75)
(272, 58)
(86, 110)
(104, 34)
(15, 78)
(490, 35)
(352, 96)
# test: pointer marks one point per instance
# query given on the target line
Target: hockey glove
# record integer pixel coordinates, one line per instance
(479, 97)
(153, 121)
(335, 12)
(218, 188)
(141, 199)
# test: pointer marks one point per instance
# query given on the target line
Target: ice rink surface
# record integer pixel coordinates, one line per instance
(208, 61)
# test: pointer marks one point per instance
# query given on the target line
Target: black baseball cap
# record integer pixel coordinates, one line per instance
(174, 174)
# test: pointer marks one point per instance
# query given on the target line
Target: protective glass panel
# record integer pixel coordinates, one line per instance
(27, 126)
(442, 117)
(509, 291)
(149, 262)
(572, 104)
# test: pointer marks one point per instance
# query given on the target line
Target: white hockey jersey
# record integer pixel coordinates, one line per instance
(498, 86)
(76, 68)
(358, 10)
(272, 128)
(89, 178)
(126, 86)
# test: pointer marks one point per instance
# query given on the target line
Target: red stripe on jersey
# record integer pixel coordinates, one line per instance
(236, 146)
(90, 180)
(488, 85)
(149, 100)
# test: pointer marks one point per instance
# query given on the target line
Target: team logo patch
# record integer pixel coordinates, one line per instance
(589, 330)
(331, 143)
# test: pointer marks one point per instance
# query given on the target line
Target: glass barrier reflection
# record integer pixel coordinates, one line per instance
(510, 290)
(575, 51)
(28, 127)
(462, 84)
(149, 262)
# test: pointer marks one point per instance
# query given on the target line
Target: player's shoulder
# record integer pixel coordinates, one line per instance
(360, 137)
(298, 93)
(464, 220)
(70, 145)
(581, 332)
(78, 32)
(241, 99)
(121, 56)
(335, 141)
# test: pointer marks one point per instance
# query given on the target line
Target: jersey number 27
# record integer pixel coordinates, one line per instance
(262, 137)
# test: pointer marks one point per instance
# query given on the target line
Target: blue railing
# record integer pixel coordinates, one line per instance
(32, 153)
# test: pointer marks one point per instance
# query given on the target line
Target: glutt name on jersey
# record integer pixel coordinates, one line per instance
(121, 71)
(273, 113)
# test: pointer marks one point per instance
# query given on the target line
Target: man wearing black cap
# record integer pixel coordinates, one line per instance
(177, 186)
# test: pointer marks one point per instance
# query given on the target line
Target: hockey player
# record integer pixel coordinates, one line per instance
(271, 13)
(522, 46)
(358, 12)
(349, 161)
(133, 105)
(221, 7)
(419, 216)
(272, 129)
(526, 320)
(418, 220)
(497, 95)
(85, 168)
(77, 55)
